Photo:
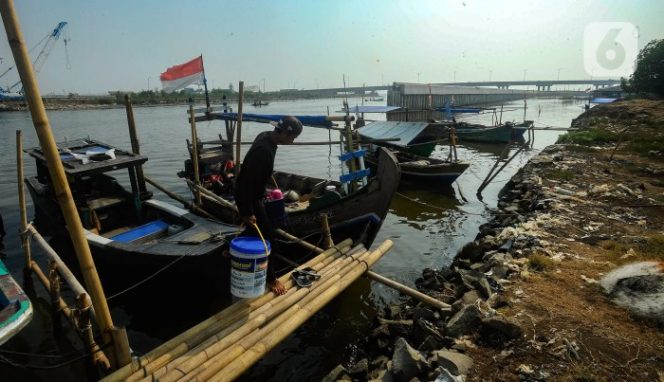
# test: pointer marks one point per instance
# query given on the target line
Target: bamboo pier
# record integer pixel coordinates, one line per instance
(228, 343)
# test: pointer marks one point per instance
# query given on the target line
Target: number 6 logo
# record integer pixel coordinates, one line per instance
(610, 49)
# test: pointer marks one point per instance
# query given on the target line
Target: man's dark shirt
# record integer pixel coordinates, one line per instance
(255, 172)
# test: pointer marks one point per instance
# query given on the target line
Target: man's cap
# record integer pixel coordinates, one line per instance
(289, 124)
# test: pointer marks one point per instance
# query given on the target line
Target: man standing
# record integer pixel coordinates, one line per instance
(255, 173)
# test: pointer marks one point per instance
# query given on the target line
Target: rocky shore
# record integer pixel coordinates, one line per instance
(565, 283)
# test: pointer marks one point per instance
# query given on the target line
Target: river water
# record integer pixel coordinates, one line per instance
(427, 225)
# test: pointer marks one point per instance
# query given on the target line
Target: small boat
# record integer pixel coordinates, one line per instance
(417, 168)
(259, 103)
(126, 229)
(504, 133)
(15, 307)
(358, 214)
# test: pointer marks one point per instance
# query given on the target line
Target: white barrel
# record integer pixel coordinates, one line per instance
(248, 266)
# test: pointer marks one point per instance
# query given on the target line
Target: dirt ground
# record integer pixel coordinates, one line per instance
(611, 212)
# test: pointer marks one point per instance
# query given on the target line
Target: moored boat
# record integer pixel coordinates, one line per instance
(432, 171)
(15, 307)
(125, 229)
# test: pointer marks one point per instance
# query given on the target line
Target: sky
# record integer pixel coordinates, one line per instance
(125, 45)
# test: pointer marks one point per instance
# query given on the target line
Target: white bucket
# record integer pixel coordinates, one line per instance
(248, 266)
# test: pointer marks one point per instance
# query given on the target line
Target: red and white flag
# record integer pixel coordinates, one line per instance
(180, 76)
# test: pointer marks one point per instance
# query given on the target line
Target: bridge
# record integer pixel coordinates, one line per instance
(540, 84)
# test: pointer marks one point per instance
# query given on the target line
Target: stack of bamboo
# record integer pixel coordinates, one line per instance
(222, 347)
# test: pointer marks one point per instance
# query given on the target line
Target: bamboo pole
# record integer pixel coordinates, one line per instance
(25, 242)
(194, 157)
(297, 316)
(213, 196)
(63, 269)
(377, 277)
(207, 360)
(326, 231)
(83, 310)
(239, 328)
(135, 144)
(309, 143)
(61, 306)
(238, 133)
(56, 171)
(185, 341)
(178, 198)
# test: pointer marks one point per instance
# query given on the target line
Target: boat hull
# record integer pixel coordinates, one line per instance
(435, 172)
(15, 307)
(358, 215)
(180, 253)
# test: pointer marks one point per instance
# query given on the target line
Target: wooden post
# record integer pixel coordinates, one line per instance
(194, 154)
(84, 305)
(135, 145)
(327, 241)
(238, 136)
(56, 170)
(25, 241)
(54, 290)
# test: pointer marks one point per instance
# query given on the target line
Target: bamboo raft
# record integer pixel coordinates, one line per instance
(225, 345)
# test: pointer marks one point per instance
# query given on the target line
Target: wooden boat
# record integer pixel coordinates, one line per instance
(417, 168)
(470, 132)
(15, 307)
(124, 229)
(357, 215)
(259, 103)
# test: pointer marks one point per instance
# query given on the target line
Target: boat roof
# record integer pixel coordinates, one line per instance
(406, 132)
(307, 120)
(76, 168)
(372, 109)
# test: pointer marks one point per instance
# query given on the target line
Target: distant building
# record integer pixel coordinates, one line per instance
(252, 88)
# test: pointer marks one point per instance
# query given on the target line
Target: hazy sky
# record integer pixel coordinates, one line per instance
(123, 45)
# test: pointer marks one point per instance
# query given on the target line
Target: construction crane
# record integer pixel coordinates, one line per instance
(48, 43)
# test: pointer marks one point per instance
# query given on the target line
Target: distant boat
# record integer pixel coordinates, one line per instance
(126, 230)
(258, 103)
(15, 307)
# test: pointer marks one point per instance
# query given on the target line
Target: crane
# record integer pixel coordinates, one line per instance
(49, 42)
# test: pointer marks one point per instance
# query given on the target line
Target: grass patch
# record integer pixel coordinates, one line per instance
(581, 149)
(589, 137)
(559, 174)
(540, 263)
(643, 144)
(654, 247)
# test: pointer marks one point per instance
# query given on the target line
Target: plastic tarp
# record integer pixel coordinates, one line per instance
(405, 131)
(372, 109)
(307, 120)
(603, 100)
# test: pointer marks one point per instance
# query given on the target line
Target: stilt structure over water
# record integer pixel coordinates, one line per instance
(419, 100)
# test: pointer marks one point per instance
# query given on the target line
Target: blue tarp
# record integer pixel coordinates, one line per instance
(405, 131)
(458, 109)
(372, 109)
(141, 232)
(603, 100)
(307, 120)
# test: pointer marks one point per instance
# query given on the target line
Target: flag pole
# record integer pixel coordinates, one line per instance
(207, 95)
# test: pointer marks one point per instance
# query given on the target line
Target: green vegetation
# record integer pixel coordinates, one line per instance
(643, 144)
(540, 263)
(648, 77)
(588, 137)
(556, 174)
(651, 248)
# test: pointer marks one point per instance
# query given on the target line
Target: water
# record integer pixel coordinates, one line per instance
(428, 226)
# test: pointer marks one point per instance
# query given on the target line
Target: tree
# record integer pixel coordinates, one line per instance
(648, 77)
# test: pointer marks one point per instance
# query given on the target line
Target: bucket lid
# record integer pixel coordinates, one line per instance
(250, 245)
